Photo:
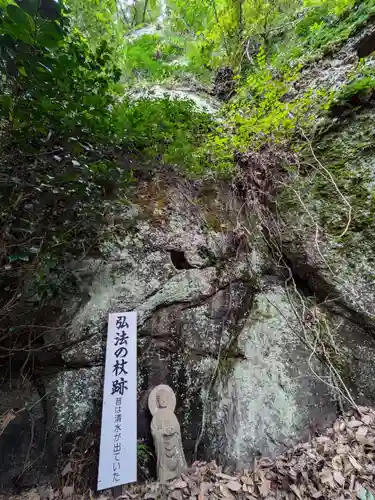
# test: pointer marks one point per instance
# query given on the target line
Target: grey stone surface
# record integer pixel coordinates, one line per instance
(76, 398)
(342, 265)
(220, 333)
(269, 397)
(217, 329)
(356, 355)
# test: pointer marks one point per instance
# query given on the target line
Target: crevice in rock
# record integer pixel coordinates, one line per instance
(40, 363)
(205, 299)
(187, 303)
(232, 351)
(353, 105)
(195, 353)
(366, 46)
(179, 260)
(311, 282)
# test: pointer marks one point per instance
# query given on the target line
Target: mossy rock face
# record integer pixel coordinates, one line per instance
(221, 332)
(332, 208)
(349, 156)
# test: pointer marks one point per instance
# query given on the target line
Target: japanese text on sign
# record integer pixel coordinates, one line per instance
(118, 441)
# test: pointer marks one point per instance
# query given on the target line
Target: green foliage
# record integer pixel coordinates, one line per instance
(357, 91)
(221, 32)
(164, 130)
(94, 18)
(360, 87)
(68, 125)
(28, 26)
(67, 132)
(189, 16)
(139, 12)
(144, 454)
(55, 83)
(149, 58)
(323, 28)
(265, 110)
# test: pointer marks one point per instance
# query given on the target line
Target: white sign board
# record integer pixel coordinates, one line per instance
(118, 441)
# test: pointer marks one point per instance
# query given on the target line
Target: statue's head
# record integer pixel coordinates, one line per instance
(162, 399)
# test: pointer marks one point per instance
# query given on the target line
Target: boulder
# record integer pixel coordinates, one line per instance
(213, 323)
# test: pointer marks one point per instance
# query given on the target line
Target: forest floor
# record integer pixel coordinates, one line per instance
(339, 464)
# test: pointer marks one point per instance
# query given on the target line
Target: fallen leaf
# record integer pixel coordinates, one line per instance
(337, 462)
(326, 477)
(10, 415)
(179, 484)
(225, 492)
(176, 495)
(265, 462)
(225, 476)
(317, 494)
(265, 487)
(68, 468)
(339, 478)
(361, 432)
(352, 480)
(205, 486)
(195, 490)
(296, 491)
(367, 419)
(233, 485)
(363, 409)
(353, 424)
(247, 480)
(67, 491)
(354, 462)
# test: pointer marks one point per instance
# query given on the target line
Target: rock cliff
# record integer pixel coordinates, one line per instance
(261, 347)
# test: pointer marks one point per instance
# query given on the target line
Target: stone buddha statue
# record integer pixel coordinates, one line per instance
(166, 432)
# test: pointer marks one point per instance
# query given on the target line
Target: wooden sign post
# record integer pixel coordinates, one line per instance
(118, 441)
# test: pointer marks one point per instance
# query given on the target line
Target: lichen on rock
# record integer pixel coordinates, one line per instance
(76, 396)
